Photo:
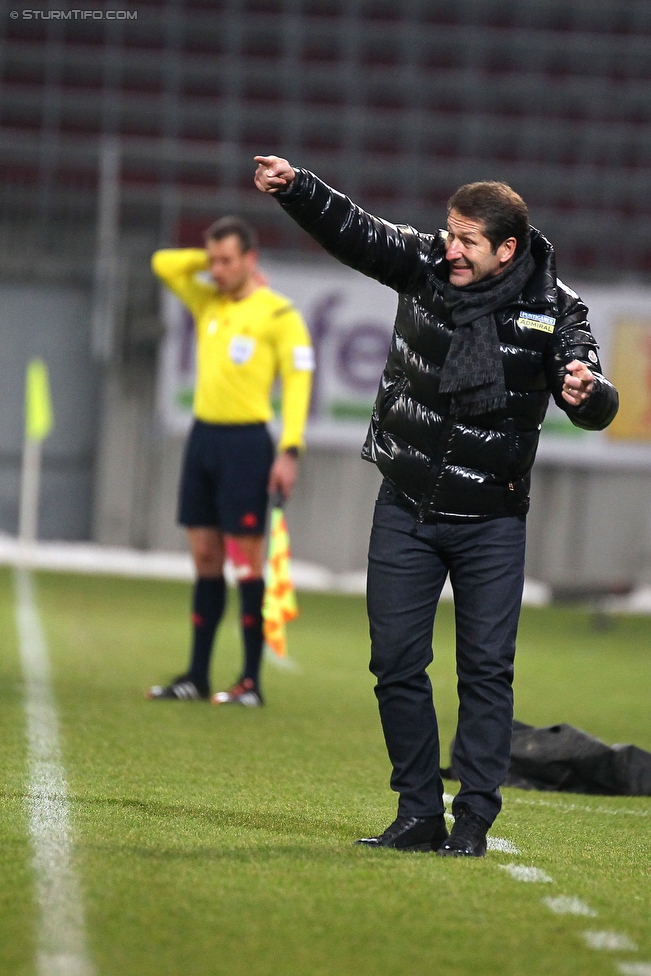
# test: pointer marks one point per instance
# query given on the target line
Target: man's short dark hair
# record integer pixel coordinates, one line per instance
(233, 227)
(503, 211)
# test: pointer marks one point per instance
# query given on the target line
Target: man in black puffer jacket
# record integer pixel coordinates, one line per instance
(484, 332)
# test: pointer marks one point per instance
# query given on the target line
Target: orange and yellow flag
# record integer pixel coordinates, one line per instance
(279, 604)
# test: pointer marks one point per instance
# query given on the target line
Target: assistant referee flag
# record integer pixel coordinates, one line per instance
(279, 603)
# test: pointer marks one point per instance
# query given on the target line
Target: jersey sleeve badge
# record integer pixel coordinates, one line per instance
(303, 358)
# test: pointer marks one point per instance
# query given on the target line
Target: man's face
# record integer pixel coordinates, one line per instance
(231, 270)
(469, 252)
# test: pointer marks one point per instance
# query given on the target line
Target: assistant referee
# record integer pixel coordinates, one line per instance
(247, 335)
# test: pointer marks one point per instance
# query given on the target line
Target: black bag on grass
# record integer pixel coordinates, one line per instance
(565, 759)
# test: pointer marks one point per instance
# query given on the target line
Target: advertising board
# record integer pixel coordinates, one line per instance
(350, 318)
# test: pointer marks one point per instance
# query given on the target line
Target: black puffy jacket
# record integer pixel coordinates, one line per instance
(446, 466)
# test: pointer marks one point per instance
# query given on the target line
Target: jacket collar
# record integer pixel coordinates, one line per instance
(540, 291)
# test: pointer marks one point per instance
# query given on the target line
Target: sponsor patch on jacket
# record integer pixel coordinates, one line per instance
(303, 357)
(532, 320)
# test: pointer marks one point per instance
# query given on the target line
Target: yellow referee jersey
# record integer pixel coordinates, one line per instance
(241, 347)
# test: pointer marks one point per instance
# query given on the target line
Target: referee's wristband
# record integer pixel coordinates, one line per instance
(292, 451)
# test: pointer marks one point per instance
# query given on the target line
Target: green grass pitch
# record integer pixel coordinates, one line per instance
(219, 841)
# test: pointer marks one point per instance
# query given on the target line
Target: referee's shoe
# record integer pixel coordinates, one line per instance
(183, 688)
(245, 692)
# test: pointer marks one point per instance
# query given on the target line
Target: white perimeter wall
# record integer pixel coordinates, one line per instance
(591, 501)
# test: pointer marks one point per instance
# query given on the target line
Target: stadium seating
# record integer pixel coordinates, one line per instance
(395, 103)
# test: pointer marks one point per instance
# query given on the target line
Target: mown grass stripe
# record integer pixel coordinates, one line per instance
(218, 843)
(62, 943)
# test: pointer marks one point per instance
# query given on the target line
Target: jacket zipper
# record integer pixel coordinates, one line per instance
(396, 393)
(446, 431)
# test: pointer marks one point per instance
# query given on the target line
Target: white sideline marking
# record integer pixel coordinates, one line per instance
(614, 941)
(566, 905)
(522, 873)
(62, 943)
(573, 807)
(634, 968)
(501, 844)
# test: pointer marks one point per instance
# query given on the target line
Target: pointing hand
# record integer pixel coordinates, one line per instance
(273, 173)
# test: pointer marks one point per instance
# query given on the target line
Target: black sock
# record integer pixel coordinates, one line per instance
(251, 596)
(208, 600)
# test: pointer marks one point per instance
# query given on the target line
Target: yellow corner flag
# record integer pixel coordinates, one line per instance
(38, 407)
(279, 604)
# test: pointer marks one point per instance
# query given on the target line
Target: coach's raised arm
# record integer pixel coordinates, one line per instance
(393, 254)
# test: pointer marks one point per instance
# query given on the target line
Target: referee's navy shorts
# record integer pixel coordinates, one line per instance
(225, 476)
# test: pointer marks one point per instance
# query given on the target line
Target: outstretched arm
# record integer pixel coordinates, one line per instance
(395, 255)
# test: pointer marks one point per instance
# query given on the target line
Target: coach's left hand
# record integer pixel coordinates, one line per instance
(283, 475)
(578, 383)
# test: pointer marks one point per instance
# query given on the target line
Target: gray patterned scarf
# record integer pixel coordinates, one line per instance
(473, 371)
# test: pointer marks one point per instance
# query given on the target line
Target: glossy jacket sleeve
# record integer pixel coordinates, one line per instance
(394, 254)
(573, 339)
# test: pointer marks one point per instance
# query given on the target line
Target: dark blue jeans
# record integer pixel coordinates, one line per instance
(408, 565)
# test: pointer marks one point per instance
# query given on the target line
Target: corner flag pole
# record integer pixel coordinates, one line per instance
(38, 424)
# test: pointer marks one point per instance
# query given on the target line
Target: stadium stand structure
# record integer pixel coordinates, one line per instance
(396, 103)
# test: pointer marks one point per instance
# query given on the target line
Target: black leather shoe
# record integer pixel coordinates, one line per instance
(468, 836)
(411, 834)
